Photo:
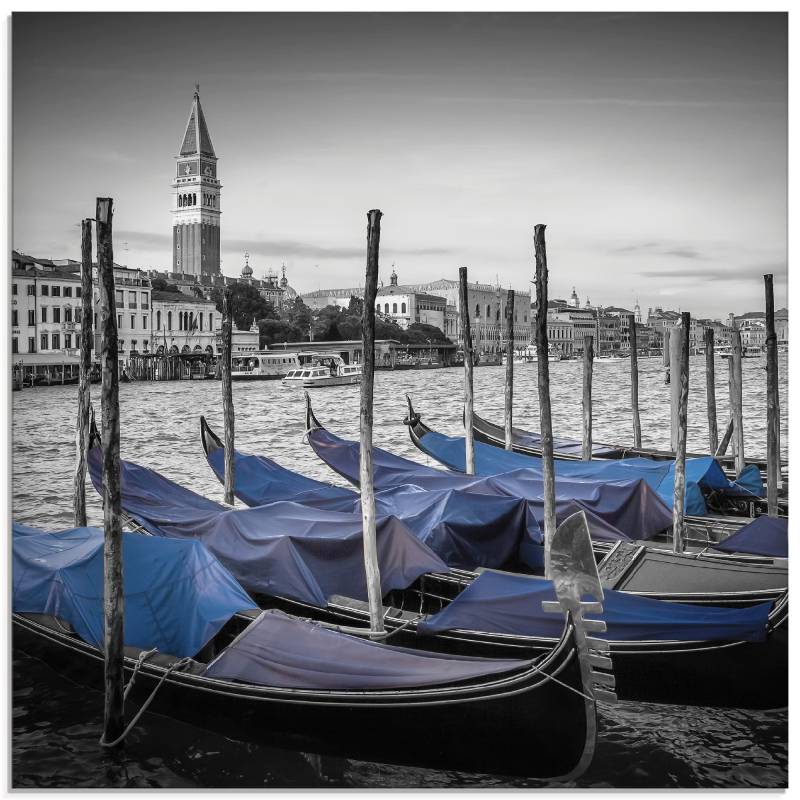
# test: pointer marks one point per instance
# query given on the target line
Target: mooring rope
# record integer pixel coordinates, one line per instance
(142, 658)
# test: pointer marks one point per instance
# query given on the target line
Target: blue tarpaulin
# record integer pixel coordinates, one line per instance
(278, 650)
(463, 530)
(177, 595)
(499, 602)
(702, 474)
(282, 549)
(764, 536)
(614, 509)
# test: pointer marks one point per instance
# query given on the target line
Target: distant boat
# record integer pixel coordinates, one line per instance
(324, 369)
(262, 366)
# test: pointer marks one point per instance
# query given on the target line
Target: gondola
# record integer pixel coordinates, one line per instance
(529, 443)
(704, 577)
(679, 666)
(266, 676)
(708, 490)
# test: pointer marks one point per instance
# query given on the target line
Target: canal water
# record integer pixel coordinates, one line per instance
(56, 726)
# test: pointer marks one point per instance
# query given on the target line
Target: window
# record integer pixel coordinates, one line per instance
(56, 341)
(169, 320)
(403, 308)
(56, 315)
(377, 307)
(45, 290)
(43, 342)
(56, 291)
(68, 340)
(144, 321)
(386, 309)
(133, 321)
(77, 291)
(211, 322)
(158, 320)
(131, 299)
(44, 314)
(119, 321)
(119, 297)
(134, 342)
(488, 311)
(145, 345)
(121, 343)
(31, 344)
(13, 288)
(67, 291)
(14, 345)
(31, 291)
(477, 310)
(67, 314)
(394, 308)
(31, 317)
(145, 301)
(14, 318)
(200, 327)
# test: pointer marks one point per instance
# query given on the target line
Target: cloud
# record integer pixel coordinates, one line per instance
(655, 248)
(726, 272)
(280, 247)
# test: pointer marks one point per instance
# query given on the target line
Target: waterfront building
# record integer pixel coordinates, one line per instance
(196, 207)
(560, 334)
(406, 306)
(487, 306)
(321, 298)
(183, 324)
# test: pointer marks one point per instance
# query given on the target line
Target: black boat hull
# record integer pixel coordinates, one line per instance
(530, 726)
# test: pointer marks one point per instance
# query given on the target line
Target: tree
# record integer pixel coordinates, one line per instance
(160, 285)
(248, 304)
(326, 324)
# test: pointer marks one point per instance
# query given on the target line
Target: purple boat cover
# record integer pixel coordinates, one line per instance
(764, 536)
(282, 651)
(614, 509)
(281, 549)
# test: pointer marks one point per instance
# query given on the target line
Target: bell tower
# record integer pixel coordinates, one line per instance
(196, 199)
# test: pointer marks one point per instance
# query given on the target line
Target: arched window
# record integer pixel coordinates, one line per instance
(180, 201)
(194, 199)
(377, 307)
(394, 308)
(386, 308)
(211, 322)
(158, 320)
(200, 327)
(403, 308)
(477, 310)
(488, 311)
(169, 320)
(497, 314)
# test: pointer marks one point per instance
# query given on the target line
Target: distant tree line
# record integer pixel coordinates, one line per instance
(296, 321)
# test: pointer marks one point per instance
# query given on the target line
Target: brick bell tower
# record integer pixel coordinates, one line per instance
(196, 199)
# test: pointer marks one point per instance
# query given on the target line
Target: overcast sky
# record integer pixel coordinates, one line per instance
(652, 145)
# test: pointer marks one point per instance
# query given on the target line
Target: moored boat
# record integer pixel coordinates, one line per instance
(323, 369)
(263, 365)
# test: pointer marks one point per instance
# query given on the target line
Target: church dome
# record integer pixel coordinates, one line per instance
(247, 270)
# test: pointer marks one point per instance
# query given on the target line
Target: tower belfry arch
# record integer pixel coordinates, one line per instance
(196, 199)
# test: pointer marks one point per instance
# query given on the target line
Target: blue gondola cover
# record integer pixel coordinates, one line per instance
(622, 509)
(282, 549)
(512, 604)
(465, 531)
(702, 474)
(278, 650)
(177, 595)
(764, 536)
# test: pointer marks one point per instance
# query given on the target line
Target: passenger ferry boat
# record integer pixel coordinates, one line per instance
(263, 365)
(322, 369)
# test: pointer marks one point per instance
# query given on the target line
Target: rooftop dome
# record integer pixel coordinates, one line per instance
(247, 270)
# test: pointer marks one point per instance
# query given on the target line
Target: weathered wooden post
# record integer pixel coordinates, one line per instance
(637, 425)
(509, 366)
(675, 366)
(586, 404)
(545, 421)
(466, 338)
(711, 392)
(84, 370)
(736, 400)
(371, 568)
(723, 445)
(681, 377)
(227, 392)
(773, 404)
(665, 353)
(113, 602)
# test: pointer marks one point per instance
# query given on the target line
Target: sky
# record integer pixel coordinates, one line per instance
(653, 146)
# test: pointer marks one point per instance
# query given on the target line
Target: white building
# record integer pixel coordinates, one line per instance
(407, 306)
(183, 324)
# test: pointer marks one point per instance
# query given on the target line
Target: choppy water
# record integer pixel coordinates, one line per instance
(56, 728)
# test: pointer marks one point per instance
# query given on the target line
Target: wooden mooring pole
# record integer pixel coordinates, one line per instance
(545, 421)
(509, 367)
(113, 603)
(466, 338)
(665, 357)
(681, 377)
(773, 404)
(586, 402)
(227, 392)
(84, 370)
(637, 425)
(374, 593)
(675, 366)
(735, 388)
(711, 392)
